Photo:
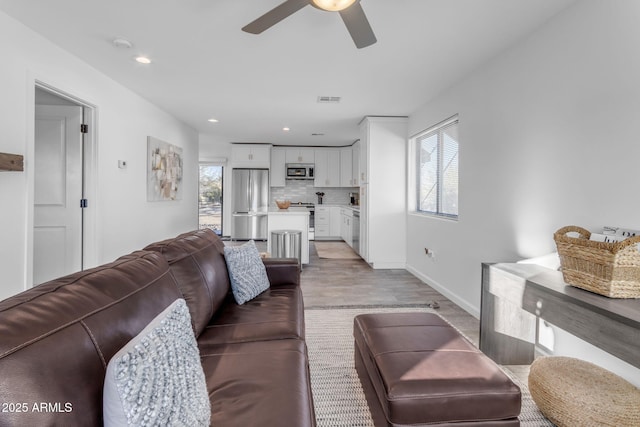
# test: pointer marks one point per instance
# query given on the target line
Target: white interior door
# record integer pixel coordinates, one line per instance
(58, 189)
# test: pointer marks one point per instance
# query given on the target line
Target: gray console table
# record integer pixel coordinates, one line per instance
(514, 296)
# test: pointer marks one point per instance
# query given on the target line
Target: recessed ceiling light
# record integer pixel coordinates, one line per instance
(286, 129)
(122, 43)
(213, 120)
(143, 60)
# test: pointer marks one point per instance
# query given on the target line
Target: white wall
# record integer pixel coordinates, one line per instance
(125, 221)
(549, 137)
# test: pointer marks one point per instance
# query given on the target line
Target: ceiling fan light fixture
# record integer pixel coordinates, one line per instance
(333, 5)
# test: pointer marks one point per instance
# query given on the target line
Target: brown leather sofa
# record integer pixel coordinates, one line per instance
(57, 338)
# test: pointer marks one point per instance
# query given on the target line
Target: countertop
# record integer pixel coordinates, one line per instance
(293, 210)
(355, 208)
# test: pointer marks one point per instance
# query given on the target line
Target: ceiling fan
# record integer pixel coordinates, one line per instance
(350, 10)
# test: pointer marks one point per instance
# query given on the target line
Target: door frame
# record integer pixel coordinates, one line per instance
(90, 236)
(222, 163)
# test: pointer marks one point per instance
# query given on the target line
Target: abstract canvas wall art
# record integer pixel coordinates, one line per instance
(164, 171)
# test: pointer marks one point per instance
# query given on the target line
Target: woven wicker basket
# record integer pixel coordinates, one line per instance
(609, 269)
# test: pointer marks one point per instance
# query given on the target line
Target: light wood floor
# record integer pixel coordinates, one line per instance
(331, 282)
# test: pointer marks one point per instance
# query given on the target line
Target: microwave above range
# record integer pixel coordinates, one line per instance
(299, 171)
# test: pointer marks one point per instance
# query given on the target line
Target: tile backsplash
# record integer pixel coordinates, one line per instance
(304, 191)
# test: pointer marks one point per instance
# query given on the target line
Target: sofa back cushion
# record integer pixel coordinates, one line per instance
(197, 262)
(57, 338)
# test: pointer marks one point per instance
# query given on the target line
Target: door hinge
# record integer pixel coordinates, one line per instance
(83, 203)
(84, 128)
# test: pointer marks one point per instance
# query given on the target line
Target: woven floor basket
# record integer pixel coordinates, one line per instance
(610, 269)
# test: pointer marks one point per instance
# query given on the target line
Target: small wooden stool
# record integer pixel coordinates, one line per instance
(572, 392)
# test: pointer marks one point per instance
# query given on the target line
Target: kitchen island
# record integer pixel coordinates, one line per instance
(294, 218)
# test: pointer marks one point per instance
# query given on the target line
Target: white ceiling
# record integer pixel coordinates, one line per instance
(204, 66)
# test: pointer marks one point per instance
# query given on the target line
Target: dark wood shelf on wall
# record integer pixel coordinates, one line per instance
(11, 162)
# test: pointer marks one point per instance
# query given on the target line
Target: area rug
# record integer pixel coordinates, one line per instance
(338, 396)
(335, 250)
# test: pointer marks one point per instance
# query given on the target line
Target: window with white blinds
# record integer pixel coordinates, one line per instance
(437, 169)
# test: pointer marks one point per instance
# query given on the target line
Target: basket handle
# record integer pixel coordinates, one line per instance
(562, 233)
(627, 242)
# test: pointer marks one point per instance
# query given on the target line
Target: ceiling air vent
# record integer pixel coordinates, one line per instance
(328, 99)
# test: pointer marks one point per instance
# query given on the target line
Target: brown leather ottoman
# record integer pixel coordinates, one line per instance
(418, 370)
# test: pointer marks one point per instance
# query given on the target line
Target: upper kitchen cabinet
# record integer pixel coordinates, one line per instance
(355, 164)
(327, 171)
(300, 155)
(278, 162)
(383, 191)
(350, 165)
(251, 156)
(346, 167)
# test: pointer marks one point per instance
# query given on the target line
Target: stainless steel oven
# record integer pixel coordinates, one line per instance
(312, 217)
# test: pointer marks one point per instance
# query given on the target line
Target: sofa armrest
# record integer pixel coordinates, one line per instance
(282, 271)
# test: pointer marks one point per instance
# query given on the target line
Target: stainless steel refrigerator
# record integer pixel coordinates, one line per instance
(250, 203)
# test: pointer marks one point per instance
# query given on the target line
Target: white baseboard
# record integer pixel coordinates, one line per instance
(474, 311)
(388, 265)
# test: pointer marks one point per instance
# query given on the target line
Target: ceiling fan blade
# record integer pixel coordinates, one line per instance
(274, 16)
(358, 26)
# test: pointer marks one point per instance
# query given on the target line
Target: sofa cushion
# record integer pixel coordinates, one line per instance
(282, 271)
(262, 383)
(157, 378)
(277, 313)
(246, 271)
(58, 337)
(197, 262)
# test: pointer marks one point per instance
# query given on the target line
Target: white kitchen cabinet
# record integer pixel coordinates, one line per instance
(383, 190)
(300, 155)
(277, 172)
(346, 167)
(251, 155)
(355, 165)
(334, 221)
(363, 166)
(322, 221)
(327, 169)
(346, 230)
(327, 222)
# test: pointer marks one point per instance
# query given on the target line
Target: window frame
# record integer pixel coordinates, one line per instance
(415, 141)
